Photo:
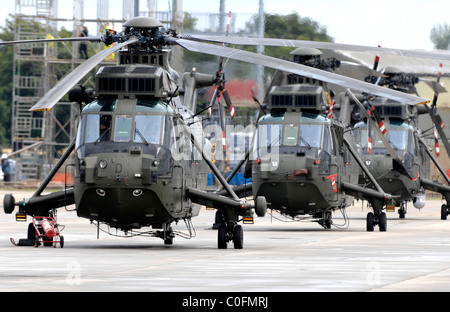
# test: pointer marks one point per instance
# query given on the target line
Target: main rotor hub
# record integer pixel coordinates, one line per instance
(142, 22)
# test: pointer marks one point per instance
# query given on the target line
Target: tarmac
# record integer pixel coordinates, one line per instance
(279, 255)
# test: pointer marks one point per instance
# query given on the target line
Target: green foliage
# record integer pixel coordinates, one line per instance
(440, 36)
(290, 26)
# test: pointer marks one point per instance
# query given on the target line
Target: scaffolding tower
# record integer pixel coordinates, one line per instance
(30, 70)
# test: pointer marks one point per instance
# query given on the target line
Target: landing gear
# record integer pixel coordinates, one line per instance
(230, 232)
(379, 219)
(444, 212)
(402, 210)
(167, 234)
(326, 221)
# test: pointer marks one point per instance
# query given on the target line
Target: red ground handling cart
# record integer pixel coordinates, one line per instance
(47, 231)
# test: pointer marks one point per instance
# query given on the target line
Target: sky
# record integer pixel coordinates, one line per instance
(402, 24)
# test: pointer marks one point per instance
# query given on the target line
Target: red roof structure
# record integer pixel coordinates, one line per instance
(240, 92)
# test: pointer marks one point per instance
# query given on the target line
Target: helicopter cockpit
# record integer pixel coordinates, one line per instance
(126, 126)
(296, 126)
(300, 134)
(399, 134)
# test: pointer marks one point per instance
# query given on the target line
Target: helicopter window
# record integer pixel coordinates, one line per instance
(398, 139)
(148, 129)
(310, 135)
(269, 136)
(80, 136)
(327, 141)
(122, 129)
(290, 135)
(98, 128)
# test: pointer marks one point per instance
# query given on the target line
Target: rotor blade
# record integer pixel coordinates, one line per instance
(437, 87)
(227, 98)
(435, 54)
(93, 39)
(362, 165)
(211, 104)
(427, 150)
(437, 121)
(299, 69)
(57, 92)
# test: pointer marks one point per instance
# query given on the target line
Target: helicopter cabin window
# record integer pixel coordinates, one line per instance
(400, 139)
(98, 128)
(269, 136)
(310, 135)
(290, 135)
(122, 128)
(148, 129)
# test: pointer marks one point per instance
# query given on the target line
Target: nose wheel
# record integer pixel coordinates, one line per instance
(444, 212)
(230, 232)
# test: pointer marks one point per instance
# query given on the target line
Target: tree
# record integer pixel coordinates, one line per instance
(291, 26)
(440, 36)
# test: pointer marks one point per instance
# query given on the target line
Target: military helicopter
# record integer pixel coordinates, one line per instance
(400, 122)
(404, 173)
(141, 158)
(120, 165)
(301, 161)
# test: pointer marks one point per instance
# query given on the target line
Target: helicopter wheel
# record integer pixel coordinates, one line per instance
(31, 234)
(382, 222)
(326, 221)
(168, 240)
(370, 222)
(444, 212)
(238, 237)
(218, 220)
(402, 211)
(222, 236)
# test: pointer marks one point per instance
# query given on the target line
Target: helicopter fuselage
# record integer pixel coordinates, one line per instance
(296, 164)
(130, 172)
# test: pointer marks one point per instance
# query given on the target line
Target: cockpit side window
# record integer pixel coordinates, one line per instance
(270, 135)
(268, 139)
(98, 128)
(328, 141)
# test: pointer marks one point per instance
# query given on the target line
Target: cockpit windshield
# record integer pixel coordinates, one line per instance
(147, 125)
(400, 139)
(306, 138)
(300, 139)
(148, 129)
